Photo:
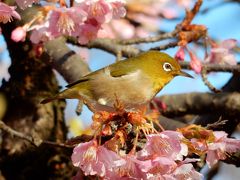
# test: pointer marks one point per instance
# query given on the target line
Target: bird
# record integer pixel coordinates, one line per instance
(133, 82)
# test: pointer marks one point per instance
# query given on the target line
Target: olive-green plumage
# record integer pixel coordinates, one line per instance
(133, 82)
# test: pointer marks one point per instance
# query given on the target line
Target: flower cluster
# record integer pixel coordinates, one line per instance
(88, 19)
(220, 53)
(146, 16)
(7, 13)
(164, 155)
(84, 20)
(149, 163)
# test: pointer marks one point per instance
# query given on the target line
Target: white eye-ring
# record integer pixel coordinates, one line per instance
(167, 66)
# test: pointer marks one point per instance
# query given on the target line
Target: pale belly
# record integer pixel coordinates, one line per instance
(130, 90)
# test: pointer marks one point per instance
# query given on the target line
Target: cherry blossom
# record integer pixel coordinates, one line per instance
(99, 10)
(162, 165)
(94, 159)
(7, 12)
(118, 8)
(103, 11)
(66, 21)
(87, 32)
(40, 33)
(19, 34)
(184, 171)
(217, 150)
(129, 167)
(221, 53)
(170, 143)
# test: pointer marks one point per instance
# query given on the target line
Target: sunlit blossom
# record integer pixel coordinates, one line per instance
(66, 21)
(87, 32)
(221, 53)
(94, 159)
(184, 171)
(19, 34)
(131, 167)
(7, 13)
(170, 143)
(217, 150)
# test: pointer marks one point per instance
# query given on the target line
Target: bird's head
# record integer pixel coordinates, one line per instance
(161, 65)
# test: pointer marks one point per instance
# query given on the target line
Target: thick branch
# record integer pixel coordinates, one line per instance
(200, 103)
(69, 64)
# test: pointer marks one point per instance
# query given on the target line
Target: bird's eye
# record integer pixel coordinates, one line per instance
(167, 67)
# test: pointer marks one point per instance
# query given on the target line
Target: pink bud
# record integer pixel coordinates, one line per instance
(18, 34)
(195, 63)
(180, 55)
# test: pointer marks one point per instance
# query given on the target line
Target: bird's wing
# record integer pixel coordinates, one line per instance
(118, 69)
(122, 68)
(83, 79)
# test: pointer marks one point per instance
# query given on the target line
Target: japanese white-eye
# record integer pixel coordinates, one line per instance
(133, 82)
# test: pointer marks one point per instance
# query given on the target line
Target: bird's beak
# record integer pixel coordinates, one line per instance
(182, 73)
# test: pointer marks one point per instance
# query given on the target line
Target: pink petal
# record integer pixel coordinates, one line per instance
(118, 9)
(219, 135)
(123, 28)
(221, 54)
(213, 157)
(170, 144)
(66, 21)
(94, 159)
(162, 165)
(132, 168)
(229, 43)
(40, 34)
(18, 34)
(7, 12)
(229, 59)
(217, 150)
(87, 33)
(186, 171)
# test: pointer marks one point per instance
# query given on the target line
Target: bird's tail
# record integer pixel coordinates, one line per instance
(71, 93)
(47, 100)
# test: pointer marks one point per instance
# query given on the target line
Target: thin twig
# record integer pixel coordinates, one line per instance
(15, 133)
(62, 145)
(214, 67)
(190, 15)
(149, 39)
(35, 141)
(216, 124)
(165, 46)
(207, 83)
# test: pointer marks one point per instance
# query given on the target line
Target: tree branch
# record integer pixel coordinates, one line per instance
(149, 39)
(200, 103)
(36, 141)
(69, 64)
(214, 67)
